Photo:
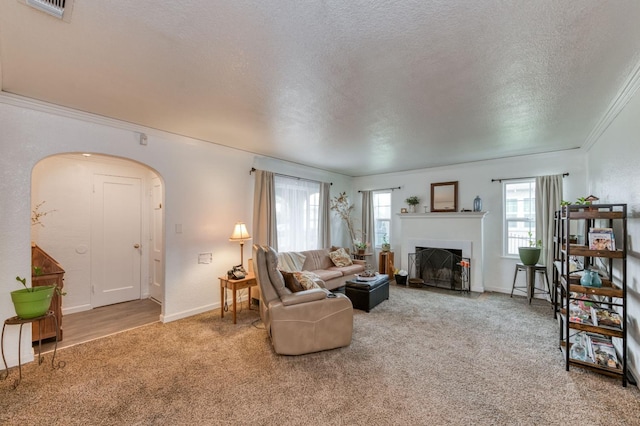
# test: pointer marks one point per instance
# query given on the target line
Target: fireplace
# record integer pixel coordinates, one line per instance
(461, 231)
(440, 267)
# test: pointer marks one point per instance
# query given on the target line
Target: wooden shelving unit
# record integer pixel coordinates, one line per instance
(571, 298)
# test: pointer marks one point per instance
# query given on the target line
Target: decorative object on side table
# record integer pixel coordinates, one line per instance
(412, 201)
(385, 243)
(360, 246)
(530, 255)
(240, 234)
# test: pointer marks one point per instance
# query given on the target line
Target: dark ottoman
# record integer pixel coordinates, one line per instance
(365, 295)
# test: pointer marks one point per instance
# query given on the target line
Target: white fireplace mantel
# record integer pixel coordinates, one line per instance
(455, 230)
(452, 215)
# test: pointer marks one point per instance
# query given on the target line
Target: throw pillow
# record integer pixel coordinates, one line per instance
(340, 258)
(291, 282)
(291, 261)
(307, 279)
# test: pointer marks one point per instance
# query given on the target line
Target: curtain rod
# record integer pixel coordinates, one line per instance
(525, 177)
(381, 189)
(253, 169)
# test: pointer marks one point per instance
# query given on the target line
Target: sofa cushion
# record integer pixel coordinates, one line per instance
(328, 274)
(277, 280)
(316, 259)
(340, 258)
(291, 261)
(354, 268)
(291, 282)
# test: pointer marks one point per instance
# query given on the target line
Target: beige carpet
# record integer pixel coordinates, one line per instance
(420, 358)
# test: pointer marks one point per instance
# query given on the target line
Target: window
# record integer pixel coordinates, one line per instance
(382, 216)
(297, 213)
(519, 214)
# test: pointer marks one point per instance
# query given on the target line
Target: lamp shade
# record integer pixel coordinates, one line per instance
(240, 233)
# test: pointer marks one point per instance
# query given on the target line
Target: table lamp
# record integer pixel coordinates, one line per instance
(241, 235)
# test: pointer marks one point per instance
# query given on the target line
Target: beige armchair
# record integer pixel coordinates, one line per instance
(302, 322)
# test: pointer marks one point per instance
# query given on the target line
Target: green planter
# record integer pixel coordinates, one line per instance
(32, 302)
(529, 255)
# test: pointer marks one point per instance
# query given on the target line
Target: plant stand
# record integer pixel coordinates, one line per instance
(19, 321)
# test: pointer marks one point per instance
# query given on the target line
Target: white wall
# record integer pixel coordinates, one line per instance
(475, 179)
(614, 177)
(207, 189)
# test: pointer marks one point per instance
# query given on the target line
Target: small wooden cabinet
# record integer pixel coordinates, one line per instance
(385, 263)
(51, 273)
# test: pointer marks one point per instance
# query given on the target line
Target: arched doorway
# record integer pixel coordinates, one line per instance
(101, 218)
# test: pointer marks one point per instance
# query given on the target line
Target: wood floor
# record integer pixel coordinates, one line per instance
(103, 321)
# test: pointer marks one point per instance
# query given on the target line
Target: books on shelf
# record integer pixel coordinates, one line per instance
(604, 353)
(579, 313)
(601, 239)
(595, 348)
(585, 311)
(605, 317)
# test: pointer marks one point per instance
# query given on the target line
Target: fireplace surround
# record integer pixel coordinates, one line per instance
(452, 231)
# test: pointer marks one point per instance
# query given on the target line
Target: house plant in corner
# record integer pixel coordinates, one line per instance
(32, 302)
(530, 255)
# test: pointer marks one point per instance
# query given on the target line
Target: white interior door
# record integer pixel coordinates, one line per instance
(156, 287)
(115, 239)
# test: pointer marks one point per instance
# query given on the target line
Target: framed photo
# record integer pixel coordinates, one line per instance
(404, 210)
(444, 197)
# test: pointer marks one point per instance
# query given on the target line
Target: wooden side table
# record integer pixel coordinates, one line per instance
(385, 263)
(361, 256)
(235, 285)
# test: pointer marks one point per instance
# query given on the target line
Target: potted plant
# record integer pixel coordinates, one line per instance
(412, 201)
(32, 302)
(360, 246)
(400, 276)
(530, 255)
(385, 243)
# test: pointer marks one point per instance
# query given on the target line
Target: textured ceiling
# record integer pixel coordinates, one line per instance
(355, 87)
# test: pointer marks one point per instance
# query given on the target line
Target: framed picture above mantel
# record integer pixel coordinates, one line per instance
(444, 197)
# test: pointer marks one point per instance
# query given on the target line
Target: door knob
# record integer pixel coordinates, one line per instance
(136, 246)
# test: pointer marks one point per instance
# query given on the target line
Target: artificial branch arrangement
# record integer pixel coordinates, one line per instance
(36, 214)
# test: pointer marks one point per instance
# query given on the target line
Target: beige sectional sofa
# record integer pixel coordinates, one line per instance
(319, 262)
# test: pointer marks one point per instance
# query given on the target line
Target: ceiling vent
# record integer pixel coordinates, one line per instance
(52, 7)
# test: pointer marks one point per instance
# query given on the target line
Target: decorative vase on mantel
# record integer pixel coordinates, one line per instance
(412, 208)
(477, 204)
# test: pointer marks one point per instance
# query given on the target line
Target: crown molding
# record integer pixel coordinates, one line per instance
(36, 105)
(629, 88)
